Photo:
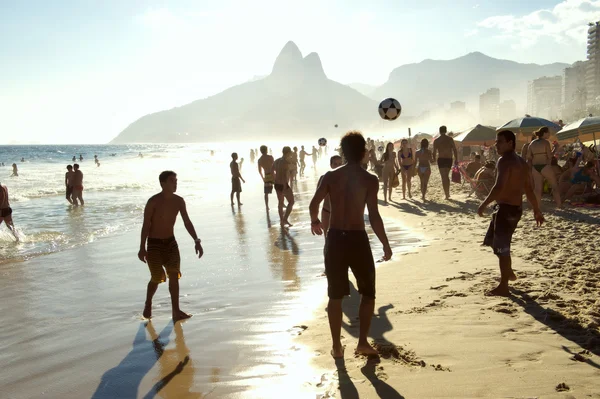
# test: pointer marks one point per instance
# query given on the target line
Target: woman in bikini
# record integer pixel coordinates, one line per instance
(539, 156)
(407, 165)
(424, 156)
(390, 169)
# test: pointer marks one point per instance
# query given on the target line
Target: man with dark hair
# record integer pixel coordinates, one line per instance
(350, 188)
(77, 185)
(512, 179)
(281, 168)
(69, 183)
(265, 163)
(6, 211)
(236, 186)
(160, 215)
(474, 166)
(445, 147)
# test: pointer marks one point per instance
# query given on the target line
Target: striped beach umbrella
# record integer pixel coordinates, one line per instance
(586, 129)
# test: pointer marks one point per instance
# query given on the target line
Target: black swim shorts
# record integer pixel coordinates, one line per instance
(268, 188)
(444, 163)
(280, 187)
(236, 185)
(5, 212)
(504, 222)
(69, 192)
(349, 249)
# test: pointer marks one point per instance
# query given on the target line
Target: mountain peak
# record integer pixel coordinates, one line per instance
(288, 60)
(313, 66)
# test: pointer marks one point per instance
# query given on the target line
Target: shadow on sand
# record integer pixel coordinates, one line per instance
(571, 329)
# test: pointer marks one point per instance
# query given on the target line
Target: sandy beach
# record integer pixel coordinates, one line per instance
(438, 334)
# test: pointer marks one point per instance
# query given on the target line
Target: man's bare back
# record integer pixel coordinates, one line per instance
(444, 146)
(265, 162)
(280, 167)
(77, 178)
(4, 197)
(164, 213)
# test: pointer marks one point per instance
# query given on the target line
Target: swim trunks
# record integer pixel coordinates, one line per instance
(349, 249)
(163, 253)
(78, 188)
(268, 188)
(504, 222)
(5, 212)
(236, 185)
(69, 192)
(281, 187)
(444, 163)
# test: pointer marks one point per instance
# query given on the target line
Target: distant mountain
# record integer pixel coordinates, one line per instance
(296, 98)
(430, 83)
(363, 88)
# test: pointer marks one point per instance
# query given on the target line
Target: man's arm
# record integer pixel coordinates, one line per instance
(189, 226)
(320, 194)
(532, 199)
(66, 180)
(148, 212)
(501, 179)
(375, 218)
(434, 152)
(455, 151)
(260, 172)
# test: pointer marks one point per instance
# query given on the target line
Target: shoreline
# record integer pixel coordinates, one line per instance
(439, 336)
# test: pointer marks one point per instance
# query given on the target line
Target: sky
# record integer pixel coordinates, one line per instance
(81, 71)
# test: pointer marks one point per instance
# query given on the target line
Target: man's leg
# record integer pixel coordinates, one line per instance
(506, 275)
(267, 201)
(231, 197)
(152, 287)
(80, 197)
(11, 226)
(289, 195)
(174, 291)
(238, 198)
(365, 314)
(445, 174)
(334, 313)
(280, 206)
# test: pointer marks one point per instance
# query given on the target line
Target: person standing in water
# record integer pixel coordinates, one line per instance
(539, 155)
(15, 172)
(282, 188)
(512, 180)
(350, 188)
(390, 170)
(315, 155)
(6, 211)
(424, 156)
(162, 253)
(294, 166)
(265, 170)
(303, 155)
(69, 176)
(236, 185)
(77, 185)
(443, 149)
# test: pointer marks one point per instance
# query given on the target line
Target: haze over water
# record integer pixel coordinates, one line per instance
(76, 310)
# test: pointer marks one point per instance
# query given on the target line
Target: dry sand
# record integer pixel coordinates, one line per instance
(441, 337)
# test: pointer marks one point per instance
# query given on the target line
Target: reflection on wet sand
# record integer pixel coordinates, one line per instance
(240, 229)
(284, 254)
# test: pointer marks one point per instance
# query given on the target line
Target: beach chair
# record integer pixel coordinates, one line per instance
(481, 188)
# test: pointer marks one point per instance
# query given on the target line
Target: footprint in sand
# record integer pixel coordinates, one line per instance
(562, 387)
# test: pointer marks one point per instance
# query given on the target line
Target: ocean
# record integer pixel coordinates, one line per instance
(74, 288)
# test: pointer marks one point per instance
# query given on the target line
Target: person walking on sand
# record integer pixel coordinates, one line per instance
(236, 185)
(77, 185)
(424, 156)
(69, 176)
(294, 166)
(407, 166)
(350, 188)
(390, 170)
(6, 211)
(282, 188)
(443, 149)
(265, 170)
(303, 155)
(162, 253)
(512, 180)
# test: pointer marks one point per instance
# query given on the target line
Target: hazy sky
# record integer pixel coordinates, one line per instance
(80, 71)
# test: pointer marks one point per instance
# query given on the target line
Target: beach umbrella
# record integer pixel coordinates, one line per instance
(523, 127)
(478, 135)
(586, 129)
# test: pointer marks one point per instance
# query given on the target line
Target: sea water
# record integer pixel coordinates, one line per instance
(73, 288)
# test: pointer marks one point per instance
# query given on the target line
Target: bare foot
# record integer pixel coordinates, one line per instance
(337, 353)
(288, 223)
(366, 349)
(498, 291)
(409, 195)
(180, 316)
(240, 204)
(512, 276)
(147, 312)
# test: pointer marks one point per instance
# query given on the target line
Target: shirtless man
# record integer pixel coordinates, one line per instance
(303, 155)
(265, 164)
(294, 166)
(6, 211)
(443, 149)
(335, 162)
(350, 188)
(69, 183)
(15, 172)
(512, 179)
(282, 188)
(236, 186)
(315, 155)
(77, 185)
(160, 215)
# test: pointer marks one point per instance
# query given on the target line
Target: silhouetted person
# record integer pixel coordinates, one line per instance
(77, 185)
(69, 176)
(265, 169)
(443, 150)
(236, 185)
(6, 210)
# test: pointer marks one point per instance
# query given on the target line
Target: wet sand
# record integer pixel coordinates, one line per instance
(441, 337)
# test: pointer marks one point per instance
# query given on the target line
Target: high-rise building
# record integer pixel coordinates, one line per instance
(592, 70)
(544, 97)
(508, 110)
(458, 106)
(573, 82)
(489, 106)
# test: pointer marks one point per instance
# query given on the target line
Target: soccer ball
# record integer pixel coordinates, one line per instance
(380, 148)
(336, 125)
(323, 141)
(390, 109)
